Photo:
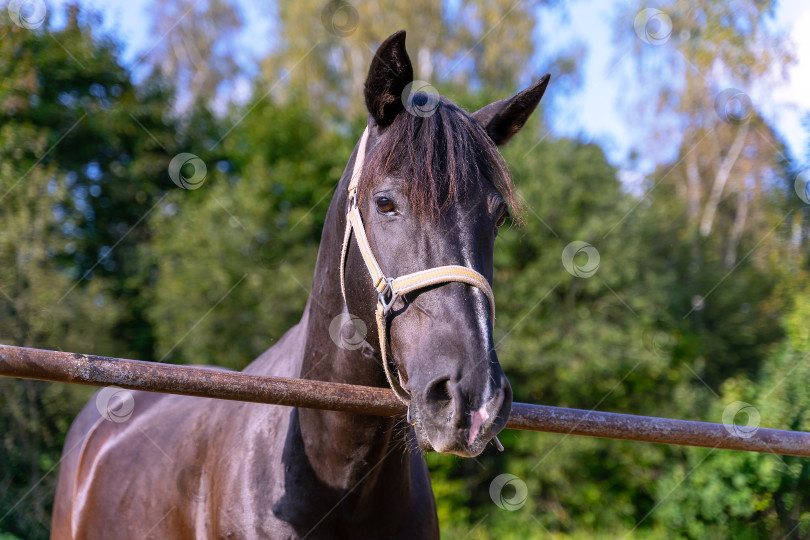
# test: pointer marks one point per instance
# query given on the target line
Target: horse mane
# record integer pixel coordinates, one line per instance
(441, 158)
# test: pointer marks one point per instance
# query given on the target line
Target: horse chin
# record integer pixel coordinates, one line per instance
(447, 445)
(460, 449)
(467, 452)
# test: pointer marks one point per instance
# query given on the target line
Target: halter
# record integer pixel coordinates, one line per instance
(389, 289)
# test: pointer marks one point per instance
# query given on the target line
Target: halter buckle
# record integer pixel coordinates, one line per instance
(351, 200)
(388, 290)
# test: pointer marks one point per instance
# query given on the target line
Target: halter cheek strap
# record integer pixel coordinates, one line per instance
(389, 289)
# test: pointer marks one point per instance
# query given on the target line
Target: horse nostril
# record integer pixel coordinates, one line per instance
(439, 395)
(445, 403)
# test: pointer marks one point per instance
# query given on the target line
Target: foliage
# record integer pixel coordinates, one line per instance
(747, 495)
(246, 242)
(75, 177)
(324, 45)
(193, 46)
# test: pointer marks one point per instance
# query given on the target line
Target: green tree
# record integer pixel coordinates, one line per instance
(192, 46)
(234, 258)
(80, 150)
(324, 46)
(698, 61)
(112, 141)
(748, 495)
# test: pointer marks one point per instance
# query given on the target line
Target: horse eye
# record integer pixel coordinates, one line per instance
(502, 220)
(385, 205)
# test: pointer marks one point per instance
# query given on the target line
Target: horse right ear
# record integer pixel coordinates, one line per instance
(502, 119)
(391, 71)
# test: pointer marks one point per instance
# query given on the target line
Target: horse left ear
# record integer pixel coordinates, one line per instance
(391, 71)
(502, 119)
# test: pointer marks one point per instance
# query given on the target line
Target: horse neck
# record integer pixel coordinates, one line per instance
(341, 447)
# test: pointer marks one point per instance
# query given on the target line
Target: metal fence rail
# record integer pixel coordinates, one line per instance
(214, 383)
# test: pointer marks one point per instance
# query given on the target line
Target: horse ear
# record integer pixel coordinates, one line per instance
(502, 119)
(391, 71)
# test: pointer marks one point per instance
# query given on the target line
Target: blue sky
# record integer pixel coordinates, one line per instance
(593, 112)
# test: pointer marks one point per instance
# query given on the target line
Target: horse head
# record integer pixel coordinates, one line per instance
(429, 193)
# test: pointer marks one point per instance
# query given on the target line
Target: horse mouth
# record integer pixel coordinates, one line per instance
(464, 442)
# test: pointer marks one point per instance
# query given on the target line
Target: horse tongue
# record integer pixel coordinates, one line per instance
(478, 418)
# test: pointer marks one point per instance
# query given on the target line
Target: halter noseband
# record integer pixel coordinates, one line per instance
(389, 289)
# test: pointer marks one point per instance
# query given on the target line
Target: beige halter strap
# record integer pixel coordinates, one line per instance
(389, 289)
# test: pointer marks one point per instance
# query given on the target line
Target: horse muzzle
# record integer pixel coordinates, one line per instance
(445, 420)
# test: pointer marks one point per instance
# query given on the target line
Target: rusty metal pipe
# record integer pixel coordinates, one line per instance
(214, 383)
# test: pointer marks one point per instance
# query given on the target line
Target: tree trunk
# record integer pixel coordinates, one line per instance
(692, 187)
(738, 227)
(720, 180)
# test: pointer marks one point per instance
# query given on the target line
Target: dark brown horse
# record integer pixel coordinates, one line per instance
(432, 190)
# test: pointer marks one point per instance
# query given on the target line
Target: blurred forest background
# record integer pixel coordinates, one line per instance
(701, 298)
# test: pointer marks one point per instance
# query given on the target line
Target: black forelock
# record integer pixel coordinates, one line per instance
(440, 158)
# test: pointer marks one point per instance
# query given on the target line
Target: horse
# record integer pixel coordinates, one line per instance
(422, 198)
